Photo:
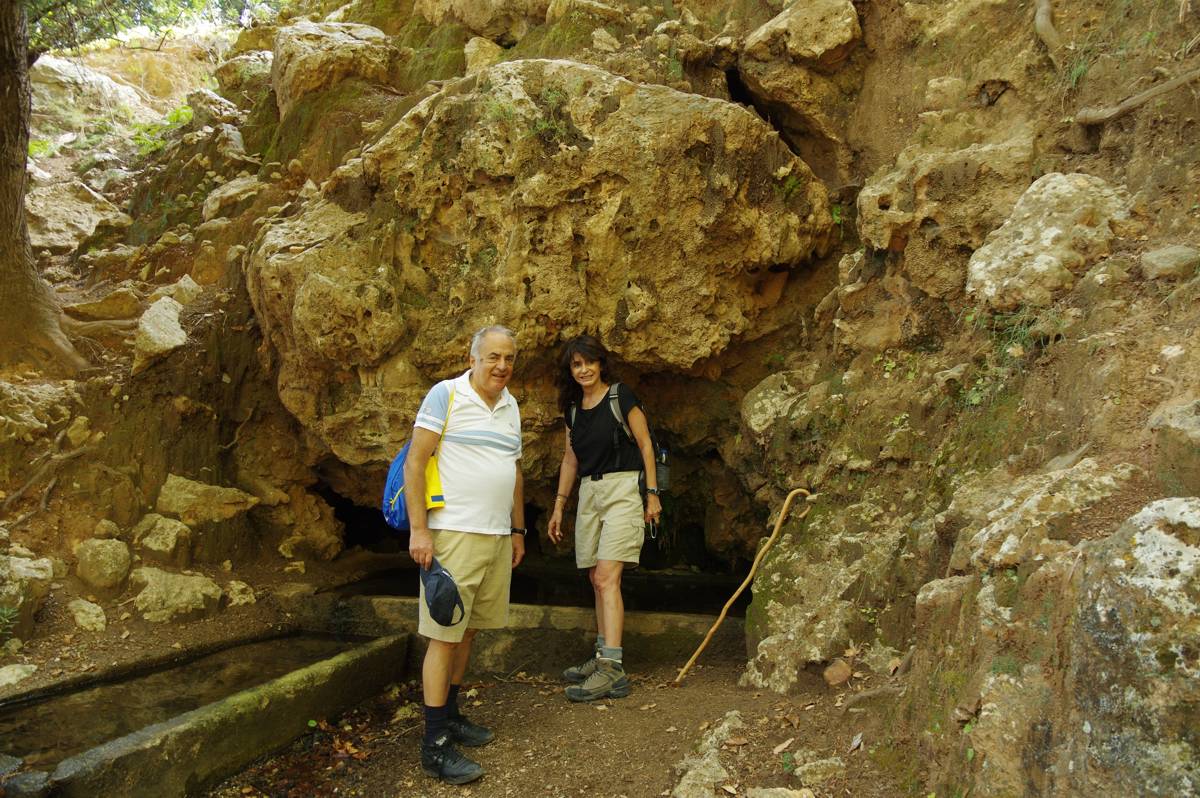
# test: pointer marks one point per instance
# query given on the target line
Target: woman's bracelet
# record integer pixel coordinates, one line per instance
(562, 496)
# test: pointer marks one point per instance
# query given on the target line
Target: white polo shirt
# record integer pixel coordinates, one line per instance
(477, 461)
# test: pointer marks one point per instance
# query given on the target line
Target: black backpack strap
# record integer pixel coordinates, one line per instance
(614, 404)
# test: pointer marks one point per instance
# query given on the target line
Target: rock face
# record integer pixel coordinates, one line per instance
(1176, 430)
(575, 161)
(1175, 262)
(62, 83)
(63, 215)
(312, 56)
(1061, 225)
(504, 21)
(165, 597)
(243, 78)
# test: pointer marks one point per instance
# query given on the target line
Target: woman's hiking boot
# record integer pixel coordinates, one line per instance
(472, 735)
(443, 761)
(576, 674)
(608, 680)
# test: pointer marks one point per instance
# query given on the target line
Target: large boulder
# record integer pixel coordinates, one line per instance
(531, 195)
(503, 21)
(310, 57)
(163, 540)
(62, 216)
(1062, 224)
(165, 596)
(103, 564)
(158, 334)
(787, 66)
(198, 502)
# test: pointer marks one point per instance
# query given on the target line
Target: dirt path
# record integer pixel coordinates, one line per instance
(547, 746)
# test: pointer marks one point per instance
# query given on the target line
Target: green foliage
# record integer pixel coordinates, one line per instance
(789, 762)
(40, 148)
(56, 25)
(1006, 664)
(784, 189)
(8, 621)
(152, 136)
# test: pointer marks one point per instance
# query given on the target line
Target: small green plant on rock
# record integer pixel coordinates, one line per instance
(8, 622)
(152, 136)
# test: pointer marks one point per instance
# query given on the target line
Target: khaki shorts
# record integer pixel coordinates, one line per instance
(482, 568)
(609, 524)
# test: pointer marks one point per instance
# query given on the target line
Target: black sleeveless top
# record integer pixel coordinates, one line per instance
(592, 436)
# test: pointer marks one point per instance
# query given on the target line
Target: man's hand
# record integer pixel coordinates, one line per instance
(420, 547)
(518, 547)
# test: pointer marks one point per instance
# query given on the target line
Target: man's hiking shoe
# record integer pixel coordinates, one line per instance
(472, 735)
(443, 761)
(578, 673)
(607, 681)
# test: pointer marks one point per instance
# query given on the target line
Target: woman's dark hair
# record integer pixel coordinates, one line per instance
(590, 349)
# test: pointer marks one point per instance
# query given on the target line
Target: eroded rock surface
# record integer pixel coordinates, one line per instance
(575, 161)
(165, 597)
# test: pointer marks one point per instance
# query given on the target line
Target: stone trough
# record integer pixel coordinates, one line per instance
(192, 751)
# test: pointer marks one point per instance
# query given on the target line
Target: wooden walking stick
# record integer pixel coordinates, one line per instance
(787, 503)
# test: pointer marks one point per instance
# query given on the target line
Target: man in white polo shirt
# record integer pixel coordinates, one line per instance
(479, 536)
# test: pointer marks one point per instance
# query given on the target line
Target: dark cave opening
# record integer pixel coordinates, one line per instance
(676, 574)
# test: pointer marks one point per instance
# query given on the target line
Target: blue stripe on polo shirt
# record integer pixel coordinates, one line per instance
(433, 410)
(504, 443)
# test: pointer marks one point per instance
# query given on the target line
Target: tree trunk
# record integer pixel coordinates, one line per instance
(30, 318)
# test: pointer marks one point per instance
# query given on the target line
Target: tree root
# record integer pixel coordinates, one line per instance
(867, 695)
(1043, 25)
(1098, 116)
(51, 464)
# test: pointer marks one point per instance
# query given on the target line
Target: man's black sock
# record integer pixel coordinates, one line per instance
(452, 701)
(437, 724)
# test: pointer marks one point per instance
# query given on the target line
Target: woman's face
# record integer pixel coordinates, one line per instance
(586, 372)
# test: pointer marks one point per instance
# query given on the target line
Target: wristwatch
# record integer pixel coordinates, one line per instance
(654, 491)
(518, 530)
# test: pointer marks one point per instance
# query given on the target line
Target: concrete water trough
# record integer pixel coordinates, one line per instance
(187, 753)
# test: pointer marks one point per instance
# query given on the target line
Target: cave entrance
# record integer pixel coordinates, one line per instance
(677, 572)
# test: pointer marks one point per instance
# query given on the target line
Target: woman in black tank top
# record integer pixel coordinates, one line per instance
(611, 517)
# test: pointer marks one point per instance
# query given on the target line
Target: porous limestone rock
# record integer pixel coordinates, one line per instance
(803, 610)
(311, 56)
(1176, 428)
(245, 77)
(197, 502)
(60, 84)
(210, 108)
(163, 540)
(61, 216)
(481, 53)
(819, 33)
(786, 66)
(1005, 528)
(1132, 682)
(1175, 262)
(28, 410)
(373, 289)
(164, 596)
(229, 198)
(11, 674)
(1062, 224)
(701, 771)
(504, 21)
(240, 594)
(24, 585)
(123, 302)
(183, 290)
(158, 333)
(88, 616)
(103, 563)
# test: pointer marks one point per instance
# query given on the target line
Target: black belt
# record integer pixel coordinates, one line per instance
(595, 477)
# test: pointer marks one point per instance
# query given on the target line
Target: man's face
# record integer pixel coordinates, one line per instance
(493, 368)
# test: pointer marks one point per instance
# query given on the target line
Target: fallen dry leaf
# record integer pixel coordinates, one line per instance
(810, 705)
(729, 788)
(601, 708)
(471, 693)
(893, 666)
(672, 729)
(644, 707)
(783, 746)
(734, 742)
(856, 743)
